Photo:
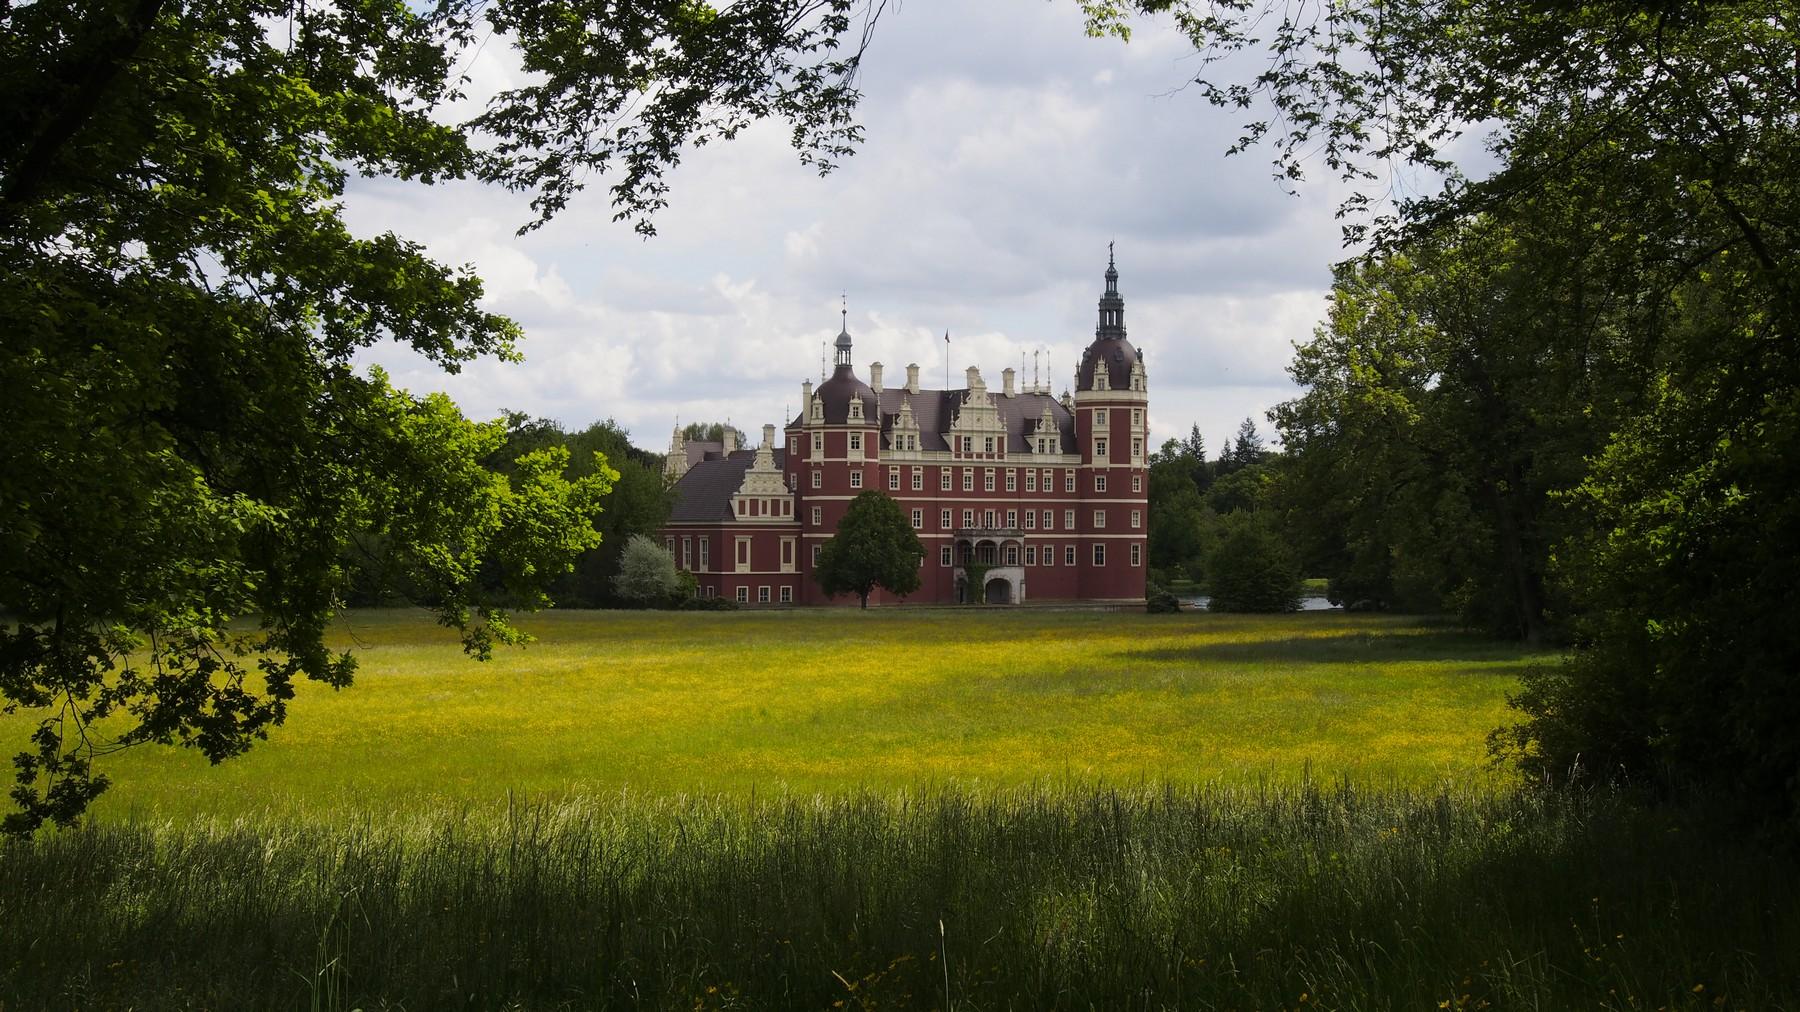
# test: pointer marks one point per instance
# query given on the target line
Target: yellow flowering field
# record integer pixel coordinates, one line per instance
(807, 701)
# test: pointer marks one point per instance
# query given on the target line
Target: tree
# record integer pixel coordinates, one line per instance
(188, 455)
(1251, 569)
(647, 574)
(710, 432)
(874, 547)
(1664, 140)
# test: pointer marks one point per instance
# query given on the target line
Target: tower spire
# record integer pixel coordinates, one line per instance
(1112, 304)
(843, 339)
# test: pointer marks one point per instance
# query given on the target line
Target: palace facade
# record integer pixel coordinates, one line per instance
(1017, 495)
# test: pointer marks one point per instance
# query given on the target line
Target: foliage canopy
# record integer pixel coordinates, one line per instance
(188, 455)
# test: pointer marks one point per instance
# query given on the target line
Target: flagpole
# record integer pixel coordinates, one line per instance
(946, 360)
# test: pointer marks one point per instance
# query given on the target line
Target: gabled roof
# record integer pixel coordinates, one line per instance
(703, 495)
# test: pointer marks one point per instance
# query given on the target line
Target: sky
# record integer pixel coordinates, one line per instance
(1004, 150)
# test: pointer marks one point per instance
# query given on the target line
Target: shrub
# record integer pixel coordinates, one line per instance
(1252, 569)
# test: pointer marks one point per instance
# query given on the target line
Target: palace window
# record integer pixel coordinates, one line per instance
(815, 554)
(1137, 417)
(1012, 520)
(944, 556)
(1137, 519)
(988, 445)
(705, 543)
(893, 479)
(856, 479)
(1068, 520)
(1068, 481)
(1031, 555)
(1012, 554)
(1068, 555)
(1099, 519)
(944, 519)
(818, 442)
(944, 480)
(1100, 416)
(815, 475)
(711, 592)
(1049, 555)
(743, 595)
(1049, 520)
(968, 444)
(1137, 554)
(762, 595)
(743, 555)
(1099, 482)
(968, 479)
(1137, 483)
(669, 543)
(1031, 520)
(1031, 481)
(1137, 449)
(1012, 480)
(787, 595)
(918, 479)
(818, 517)
(687, 554)
(855, 438)
(1099, 449)
(918, 518)
(1049, 480)
(987, 519)
(787, 555)
(968, 519)
(1099, 553)
(987, 480)
(794, 445)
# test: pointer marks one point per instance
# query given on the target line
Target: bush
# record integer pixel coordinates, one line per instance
(707, 604)
(647, 575)
(1160, 600)
(1252, 569)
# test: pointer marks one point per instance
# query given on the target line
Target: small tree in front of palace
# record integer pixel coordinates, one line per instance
(874, 547)
(647, 573)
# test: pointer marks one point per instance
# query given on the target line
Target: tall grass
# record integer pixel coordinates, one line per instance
(1285, 896)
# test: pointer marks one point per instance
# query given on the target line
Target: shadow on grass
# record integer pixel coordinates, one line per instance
(1399, 646)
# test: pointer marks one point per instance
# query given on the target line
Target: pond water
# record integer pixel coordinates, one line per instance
(1199, 602)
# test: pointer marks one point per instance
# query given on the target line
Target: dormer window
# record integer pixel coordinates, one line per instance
(856, 407)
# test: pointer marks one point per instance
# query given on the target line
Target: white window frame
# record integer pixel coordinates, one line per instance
(944, 519)
(816, 479)
(1099, 482)
(1099, 520)
(1099, 553)
(918, 519)
(856, 479)
(1069, 480)
(945, 558)
(1137, 519)
(1137, 554)
(818, 516)
(1012, 480)
(743, 594)
(787, 594)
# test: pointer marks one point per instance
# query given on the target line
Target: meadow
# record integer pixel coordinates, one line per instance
(908, 809)
(807, 701)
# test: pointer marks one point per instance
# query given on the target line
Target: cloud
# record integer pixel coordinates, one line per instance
(1004, 150)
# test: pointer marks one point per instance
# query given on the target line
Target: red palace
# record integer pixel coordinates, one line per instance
(1040, 498)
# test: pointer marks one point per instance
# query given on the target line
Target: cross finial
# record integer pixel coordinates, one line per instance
(1109, 254)
(844, 311)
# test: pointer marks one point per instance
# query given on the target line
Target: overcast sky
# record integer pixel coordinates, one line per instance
(1004, 150)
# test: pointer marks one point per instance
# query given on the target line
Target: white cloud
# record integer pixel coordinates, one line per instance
(1001, 157)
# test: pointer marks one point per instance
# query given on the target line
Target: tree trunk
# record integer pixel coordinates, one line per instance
(865, 600)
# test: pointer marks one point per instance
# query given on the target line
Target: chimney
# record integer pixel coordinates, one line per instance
(1006, 382)
(875, 376)
(769, 436)
(805, 397)
(974, 377)
(730, 439)
(912, 378)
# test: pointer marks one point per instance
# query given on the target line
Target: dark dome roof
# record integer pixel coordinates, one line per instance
(1119, 356)
(839, 390)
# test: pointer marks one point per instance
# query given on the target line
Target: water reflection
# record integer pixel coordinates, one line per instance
(1199, 603)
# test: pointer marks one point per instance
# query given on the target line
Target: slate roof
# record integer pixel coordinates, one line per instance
(1119, 356)
(703, 495)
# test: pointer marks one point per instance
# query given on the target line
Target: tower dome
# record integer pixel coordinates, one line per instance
(1110, 349)
(842, 387)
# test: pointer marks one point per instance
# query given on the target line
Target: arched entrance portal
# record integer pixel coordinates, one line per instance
(999, 591)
